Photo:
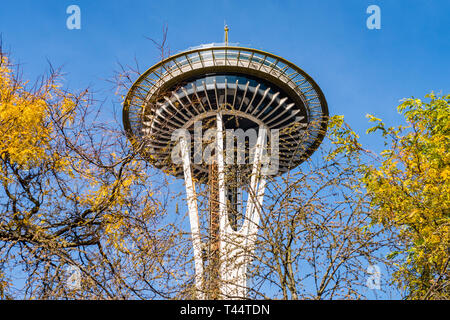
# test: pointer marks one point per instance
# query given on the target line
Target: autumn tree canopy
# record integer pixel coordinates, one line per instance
(410, 192)
(74, 193)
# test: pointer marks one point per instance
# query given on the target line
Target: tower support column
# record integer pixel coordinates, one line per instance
(237, 246)
(193, 219)
(230, 250)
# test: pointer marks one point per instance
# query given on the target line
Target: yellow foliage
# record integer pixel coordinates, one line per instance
(411, 191)
(25, 127)
(67, 185)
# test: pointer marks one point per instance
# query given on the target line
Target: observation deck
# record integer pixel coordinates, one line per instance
(251, 88)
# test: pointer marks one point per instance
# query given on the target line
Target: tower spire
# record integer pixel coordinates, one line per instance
(226, 35)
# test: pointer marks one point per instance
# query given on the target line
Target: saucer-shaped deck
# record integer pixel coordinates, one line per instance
(251, 88)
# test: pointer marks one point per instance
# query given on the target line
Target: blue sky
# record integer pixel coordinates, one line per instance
(359, 70)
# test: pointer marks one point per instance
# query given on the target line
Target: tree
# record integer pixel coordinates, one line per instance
(315, 242)
(76, 194)
(410, 193)
(73, 196)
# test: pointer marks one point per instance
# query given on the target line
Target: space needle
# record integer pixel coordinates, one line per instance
(197, 97)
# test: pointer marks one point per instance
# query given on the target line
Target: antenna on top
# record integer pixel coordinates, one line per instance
(226, 35)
